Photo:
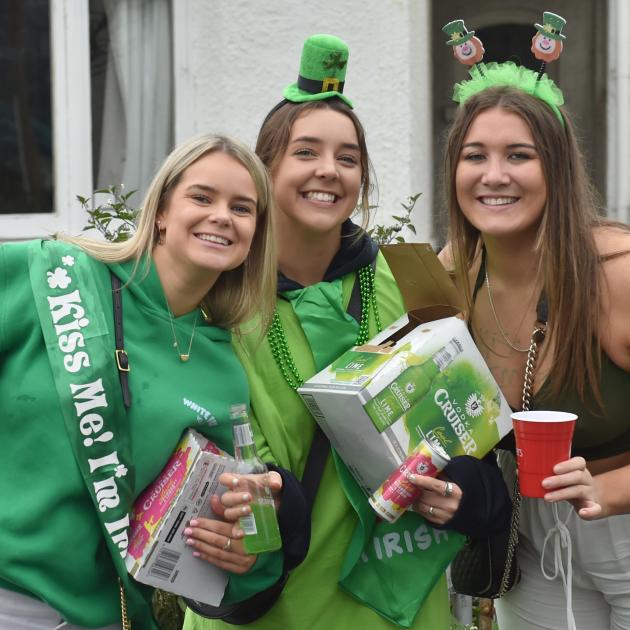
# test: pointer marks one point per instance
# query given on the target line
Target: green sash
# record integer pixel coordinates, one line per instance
(390, 567)
(81, 354)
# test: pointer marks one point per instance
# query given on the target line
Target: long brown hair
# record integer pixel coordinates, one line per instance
(275, 134)
(238, 294)
(568, 261)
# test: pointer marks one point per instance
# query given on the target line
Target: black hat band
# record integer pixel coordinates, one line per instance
(329, 84)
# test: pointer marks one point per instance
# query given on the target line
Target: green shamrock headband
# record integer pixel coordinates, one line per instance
(546, 46)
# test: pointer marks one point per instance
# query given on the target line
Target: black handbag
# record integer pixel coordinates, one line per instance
(486, 566)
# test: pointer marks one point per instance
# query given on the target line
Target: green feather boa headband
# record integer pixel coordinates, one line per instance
(509, 74)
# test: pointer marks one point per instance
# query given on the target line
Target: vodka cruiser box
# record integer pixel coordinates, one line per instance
(157, 554)
(421, 377)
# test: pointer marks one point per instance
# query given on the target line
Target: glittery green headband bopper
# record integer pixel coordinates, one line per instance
(509, 74)
(546, 46)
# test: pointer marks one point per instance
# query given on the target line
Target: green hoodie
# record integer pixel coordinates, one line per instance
(312, 597)
(51, 543)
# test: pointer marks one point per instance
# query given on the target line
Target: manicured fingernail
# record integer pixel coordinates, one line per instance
(235, 481)
(411, 477)
(245, 509)
(196, 554)
(239, 533)
(246, 497)
(190, 541)
(187, 531)
(194, 522)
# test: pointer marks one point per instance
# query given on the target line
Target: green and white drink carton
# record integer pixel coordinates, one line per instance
(377, 402)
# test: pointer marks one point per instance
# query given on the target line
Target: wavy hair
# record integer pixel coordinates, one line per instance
(237, 294)
(568, 260)
(275, 133)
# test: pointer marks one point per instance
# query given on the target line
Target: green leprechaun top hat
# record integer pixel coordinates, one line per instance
(322, 71)
(552, 26)
(457, 32)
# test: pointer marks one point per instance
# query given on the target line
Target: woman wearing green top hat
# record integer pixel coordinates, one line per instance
(334, 291)
(85, 428)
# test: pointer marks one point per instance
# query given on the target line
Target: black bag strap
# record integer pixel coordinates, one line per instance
(315, 464)
(122, 360)
(318, 454)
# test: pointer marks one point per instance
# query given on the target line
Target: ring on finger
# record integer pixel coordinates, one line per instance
(430, 510)
(448, 489)
(228, 544)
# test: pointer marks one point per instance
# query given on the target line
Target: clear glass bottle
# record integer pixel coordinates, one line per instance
(261, 525)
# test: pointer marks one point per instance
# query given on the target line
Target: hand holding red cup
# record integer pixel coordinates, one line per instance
(543, 439)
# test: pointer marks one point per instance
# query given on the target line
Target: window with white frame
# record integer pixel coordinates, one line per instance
(85, 102)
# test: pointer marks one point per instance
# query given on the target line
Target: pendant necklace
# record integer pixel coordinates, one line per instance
(496, 317)
(183, 356)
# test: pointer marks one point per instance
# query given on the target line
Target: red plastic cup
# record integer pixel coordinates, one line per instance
(543, 439)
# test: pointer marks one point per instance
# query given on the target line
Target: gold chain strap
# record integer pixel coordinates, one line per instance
(125, 622)
(537, 336)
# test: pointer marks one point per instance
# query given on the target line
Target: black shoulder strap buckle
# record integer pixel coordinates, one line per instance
(122, 360)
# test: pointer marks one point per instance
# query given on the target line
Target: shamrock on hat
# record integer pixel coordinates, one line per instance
(322, 71)
(552, 26)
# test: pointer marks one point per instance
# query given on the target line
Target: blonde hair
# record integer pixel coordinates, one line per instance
(238, 294)
(568, 260)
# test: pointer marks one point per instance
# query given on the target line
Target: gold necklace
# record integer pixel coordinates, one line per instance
(182, 356)
(496, 317)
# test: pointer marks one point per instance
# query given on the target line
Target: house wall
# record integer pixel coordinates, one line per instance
(234, 57)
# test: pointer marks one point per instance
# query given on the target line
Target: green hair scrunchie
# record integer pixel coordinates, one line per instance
(509, 74)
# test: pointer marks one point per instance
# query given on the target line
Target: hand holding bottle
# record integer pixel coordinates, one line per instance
(221, 543)
(260, 525)
(236, 501)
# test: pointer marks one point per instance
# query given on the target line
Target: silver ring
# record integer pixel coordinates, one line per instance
(228, 544)
(448, 489)
(430, 510)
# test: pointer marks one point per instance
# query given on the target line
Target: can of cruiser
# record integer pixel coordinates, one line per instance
(397, 493)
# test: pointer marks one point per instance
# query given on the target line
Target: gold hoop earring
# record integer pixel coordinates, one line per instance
(160, 233)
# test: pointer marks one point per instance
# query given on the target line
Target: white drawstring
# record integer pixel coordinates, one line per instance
(561, 538)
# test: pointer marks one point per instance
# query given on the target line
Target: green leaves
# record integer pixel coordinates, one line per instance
(387, 234)
(115, 220)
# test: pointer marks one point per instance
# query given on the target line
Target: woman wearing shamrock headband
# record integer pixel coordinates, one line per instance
(335, 291)
(527, 245)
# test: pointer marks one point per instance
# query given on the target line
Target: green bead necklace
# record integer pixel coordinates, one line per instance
(278, 339)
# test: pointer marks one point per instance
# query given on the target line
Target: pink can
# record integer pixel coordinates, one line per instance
(397, 493)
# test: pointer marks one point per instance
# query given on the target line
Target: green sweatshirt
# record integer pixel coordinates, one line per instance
(312, 598)
(51, 543)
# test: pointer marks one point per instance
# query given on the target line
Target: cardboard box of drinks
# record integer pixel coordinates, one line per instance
(157, 554)
(421, 377)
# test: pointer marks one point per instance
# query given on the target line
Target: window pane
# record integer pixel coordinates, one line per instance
(99, 58)
(26, 155)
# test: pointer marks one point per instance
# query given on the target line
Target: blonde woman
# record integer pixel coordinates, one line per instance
(83, 435)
